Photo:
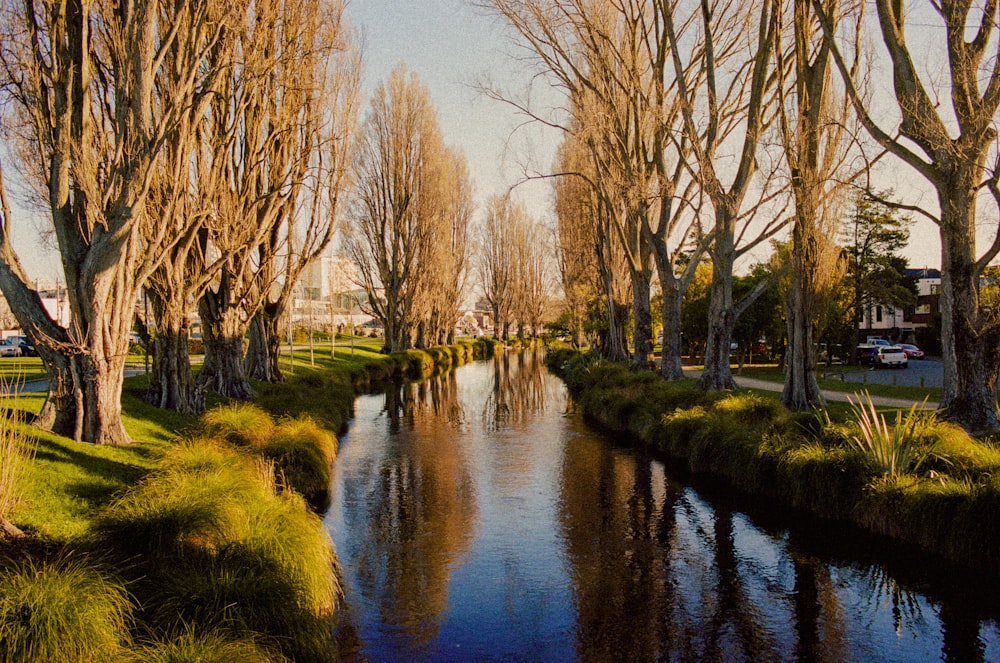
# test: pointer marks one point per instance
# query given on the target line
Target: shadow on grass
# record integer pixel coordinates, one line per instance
(122, 473)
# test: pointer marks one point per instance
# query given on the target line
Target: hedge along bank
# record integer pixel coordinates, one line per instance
(949, 506)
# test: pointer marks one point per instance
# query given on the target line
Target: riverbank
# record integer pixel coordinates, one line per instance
(948, 505)
(165, 530)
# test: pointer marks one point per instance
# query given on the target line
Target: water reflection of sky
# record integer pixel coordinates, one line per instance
(476, 520)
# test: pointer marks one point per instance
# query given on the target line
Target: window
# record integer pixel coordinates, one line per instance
(935, 288)
(878, 314)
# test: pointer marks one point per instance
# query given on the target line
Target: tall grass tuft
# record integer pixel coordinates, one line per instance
(269, 574)
(63, 610)
(15, 459)
(302, 453)
(212, 647)
(891, 450)
(241, 424)
(208, 541)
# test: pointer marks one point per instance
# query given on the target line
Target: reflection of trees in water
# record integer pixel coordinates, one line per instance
(420, 512)
(518, 389)
(818, 613)
(634, 541)
(437, 395)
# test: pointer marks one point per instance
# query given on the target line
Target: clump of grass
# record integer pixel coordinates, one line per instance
(753, 410)
(63, 610)
(952, 450)
(213, 647)
(302, 453)
(268, 574)
(15, 459)
(891, 450)
(207, 540)
(241, 424)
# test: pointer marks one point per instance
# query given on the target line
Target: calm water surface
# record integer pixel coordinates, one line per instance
(477, 518)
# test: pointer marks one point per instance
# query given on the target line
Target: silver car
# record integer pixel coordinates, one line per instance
(10, 347)
(891, 356)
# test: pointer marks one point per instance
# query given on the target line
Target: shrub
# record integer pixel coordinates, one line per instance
(177, 508)
(754, 411)
(209, 542)
(323, 397)
(270, 574)
(241, 424)
(63, 610)
(950, 449)
(893, 451)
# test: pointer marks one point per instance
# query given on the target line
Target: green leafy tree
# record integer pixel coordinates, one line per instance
(876, 273)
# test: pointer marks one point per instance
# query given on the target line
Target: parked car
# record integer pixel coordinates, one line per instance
(10, 347)
(912, 351)
(891, 355)
(866, 354)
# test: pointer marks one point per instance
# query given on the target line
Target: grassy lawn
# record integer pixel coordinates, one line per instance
(69, 480)
(15, 370)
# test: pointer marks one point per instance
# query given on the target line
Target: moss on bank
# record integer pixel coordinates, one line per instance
(949, 506)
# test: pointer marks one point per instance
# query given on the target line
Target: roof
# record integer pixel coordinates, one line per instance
(924, 273)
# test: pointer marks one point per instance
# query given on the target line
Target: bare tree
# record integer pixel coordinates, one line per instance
(576, 242)
(945, 130)
(813, 122)
(92, 98)
(733, 53)
(531, 276)
(446, 267)
(497, 253)
(330, 66)
(586, 229)
(262, 135)
(398, 204)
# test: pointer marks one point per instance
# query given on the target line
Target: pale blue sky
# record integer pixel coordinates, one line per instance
(452, 45)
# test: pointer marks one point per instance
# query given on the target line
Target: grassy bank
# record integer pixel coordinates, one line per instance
(945, 498)
(201, 541)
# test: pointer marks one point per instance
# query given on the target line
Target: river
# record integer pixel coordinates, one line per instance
(477, 518)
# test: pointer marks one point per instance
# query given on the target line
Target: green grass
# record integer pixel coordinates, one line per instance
(68, 481)
(61, 610)
(21, 369)
(211, 647)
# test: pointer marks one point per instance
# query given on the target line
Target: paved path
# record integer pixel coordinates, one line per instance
(768, 385)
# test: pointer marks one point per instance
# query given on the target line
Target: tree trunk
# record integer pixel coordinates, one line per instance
(171, 383)
(264, 350)
(671, 367)
(970, 341)
(421, 342)
(801, 390)
(642, 317)
(222, 333)
(721, 318)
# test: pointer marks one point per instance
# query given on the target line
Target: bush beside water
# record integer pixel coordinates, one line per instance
(947, 503)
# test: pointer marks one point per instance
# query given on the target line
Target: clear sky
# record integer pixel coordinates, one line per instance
(452, 46)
